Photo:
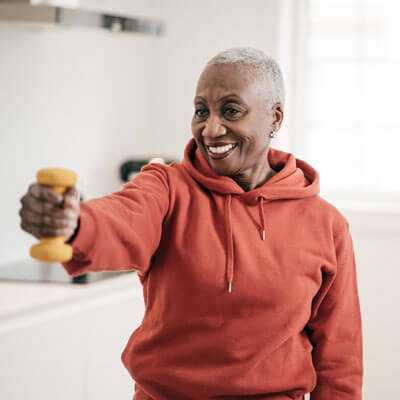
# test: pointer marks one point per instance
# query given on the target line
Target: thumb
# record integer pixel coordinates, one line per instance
(71, 197)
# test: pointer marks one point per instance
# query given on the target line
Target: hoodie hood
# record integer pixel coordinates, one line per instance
(294, 179)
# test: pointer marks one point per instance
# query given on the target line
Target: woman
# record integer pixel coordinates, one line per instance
(249, 276)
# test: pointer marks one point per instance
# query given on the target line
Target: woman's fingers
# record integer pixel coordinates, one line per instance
(44, 213)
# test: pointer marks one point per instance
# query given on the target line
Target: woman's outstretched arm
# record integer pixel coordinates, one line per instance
(122, 231)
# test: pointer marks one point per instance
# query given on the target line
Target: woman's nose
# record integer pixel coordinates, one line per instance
(213, 127)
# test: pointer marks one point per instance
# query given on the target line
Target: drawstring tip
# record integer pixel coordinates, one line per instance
(263, 235)
(230, 287)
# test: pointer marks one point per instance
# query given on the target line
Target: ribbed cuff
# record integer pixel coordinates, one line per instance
(82, 242)
(71, 239)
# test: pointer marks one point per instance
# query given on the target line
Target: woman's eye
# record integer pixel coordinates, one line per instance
(200, 112)
(231, 111)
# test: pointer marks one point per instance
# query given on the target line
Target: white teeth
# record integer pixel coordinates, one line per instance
(221, 149)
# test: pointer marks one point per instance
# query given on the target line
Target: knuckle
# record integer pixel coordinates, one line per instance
(24, 227)
(24, 199)
(41, 191)
(33, 188)
(22, 215)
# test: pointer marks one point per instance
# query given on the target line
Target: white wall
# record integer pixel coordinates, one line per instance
(88, 99)
(74, 98)
(198, 30)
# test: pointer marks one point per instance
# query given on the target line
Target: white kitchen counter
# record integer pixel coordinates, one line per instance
(64, 340)
(23, 302)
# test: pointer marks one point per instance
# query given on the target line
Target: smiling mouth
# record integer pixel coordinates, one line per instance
(219, 152)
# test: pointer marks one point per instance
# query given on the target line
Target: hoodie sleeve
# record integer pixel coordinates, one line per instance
(335, 329)
(122, 231)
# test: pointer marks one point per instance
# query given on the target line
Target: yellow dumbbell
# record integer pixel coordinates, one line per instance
(52, 249)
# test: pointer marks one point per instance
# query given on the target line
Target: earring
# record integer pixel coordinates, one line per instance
(273, 134)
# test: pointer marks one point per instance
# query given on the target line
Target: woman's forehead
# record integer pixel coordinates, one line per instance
(226, 75)
(221, 80)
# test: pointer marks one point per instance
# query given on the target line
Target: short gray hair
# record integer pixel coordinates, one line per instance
(269, 69)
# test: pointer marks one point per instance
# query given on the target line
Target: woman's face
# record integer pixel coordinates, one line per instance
(231, 106)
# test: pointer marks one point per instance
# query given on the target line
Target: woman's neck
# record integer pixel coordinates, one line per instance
(254, 181)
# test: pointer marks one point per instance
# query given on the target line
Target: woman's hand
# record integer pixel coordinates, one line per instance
(44, 213)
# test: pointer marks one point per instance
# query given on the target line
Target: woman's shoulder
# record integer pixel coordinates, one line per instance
(331, 215)
(174, 174)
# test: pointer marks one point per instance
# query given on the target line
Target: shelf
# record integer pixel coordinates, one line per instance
(69, 13)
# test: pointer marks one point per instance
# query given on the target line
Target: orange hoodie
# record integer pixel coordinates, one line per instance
(248, 295)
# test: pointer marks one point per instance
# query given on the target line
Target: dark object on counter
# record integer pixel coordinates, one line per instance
(129, 167)
(134, 166)
(80, 279)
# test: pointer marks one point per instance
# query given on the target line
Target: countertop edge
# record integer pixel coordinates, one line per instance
(68, 300)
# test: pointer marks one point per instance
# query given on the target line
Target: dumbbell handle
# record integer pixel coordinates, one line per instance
(53, 249)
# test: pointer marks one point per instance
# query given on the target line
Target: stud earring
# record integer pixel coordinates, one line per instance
(273, 134)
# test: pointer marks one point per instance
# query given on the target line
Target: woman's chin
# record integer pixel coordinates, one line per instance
(225, 170)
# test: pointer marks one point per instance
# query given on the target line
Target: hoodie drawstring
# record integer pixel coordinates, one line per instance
(261, 209)
(229, 257)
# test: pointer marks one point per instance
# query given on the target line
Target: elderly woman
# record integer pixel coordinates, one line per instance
(249, 276)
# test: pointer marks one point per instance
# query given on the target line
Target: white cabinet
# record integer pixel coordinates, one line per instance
(110, 327)
(72, 348)
(45, 361)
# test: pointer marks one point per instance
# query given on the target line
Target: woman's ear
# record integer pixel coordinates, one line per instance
(277, 112)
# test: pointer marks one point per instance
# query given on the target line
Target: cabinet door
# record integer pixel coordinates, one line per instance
(45, 360)
(110, 326)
